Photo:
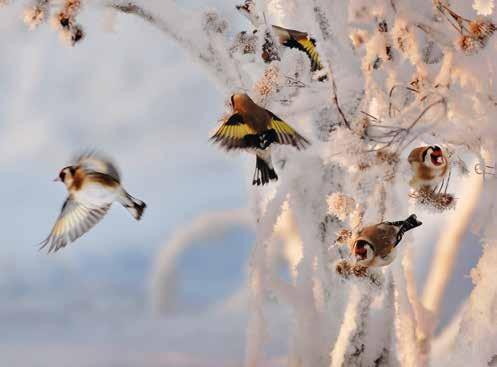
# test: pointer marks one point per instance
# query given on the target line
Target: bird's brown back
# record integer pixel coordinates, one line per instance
(82, 178)
(285, 34)
(416, 155)
(381, 236)
(253, 115)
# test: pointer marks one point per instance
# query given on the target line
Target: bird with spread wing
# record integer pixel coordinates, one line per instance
(255, 129)
(93, 183)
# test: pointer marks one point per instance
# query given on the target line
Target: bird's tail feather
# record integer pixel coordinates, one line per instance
(133, 205)
(263, 173)
(411, 222)
(406, 225)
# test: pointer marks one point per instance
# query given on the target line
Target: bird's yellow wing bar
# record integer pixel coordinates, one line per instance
(287, 134)
(310, 49)
(231, 134)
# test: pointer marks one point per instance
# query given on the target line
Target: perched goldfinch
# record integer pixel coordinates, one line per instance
(301, 41)
(252, 127)
(429, 166)
(376, 245)
(93, 183)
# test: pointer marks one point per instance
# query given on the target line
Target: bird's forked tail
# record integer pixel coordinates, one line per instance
(406, 225)
(263, 172)
(134, 206)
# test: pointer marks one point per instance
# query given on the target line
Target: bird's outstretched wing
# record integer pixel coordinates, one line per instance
(308, 45)
(233, 133)
(74, 220)
(287, 134)
(95, 161)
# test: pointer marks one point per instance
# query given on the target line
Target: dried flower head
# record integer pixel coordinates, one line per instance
(481, 29)
(431, 199)
(77, 34)
(389, 157)
(346, 269)
(66, 16)
(214, 23)
(341, 205)
(35, 15)
(72, 34)
(269, 83)
(245, 43)
(343, 236)
(467, 44)
(269, 49)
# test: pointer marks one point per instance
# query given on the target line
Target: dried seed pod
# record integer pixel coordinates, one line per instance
(438, 201)
(346, 269)
(269, 83)
(343, 236)
(37, 14)
(467, 44)
(481, 29)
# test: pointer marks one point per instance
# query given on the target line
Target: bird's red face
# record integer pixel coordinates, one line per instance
(362, 250)
(436, 156)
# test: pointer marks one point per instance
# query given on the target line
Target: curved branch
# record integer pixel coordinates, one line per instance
(207, 43)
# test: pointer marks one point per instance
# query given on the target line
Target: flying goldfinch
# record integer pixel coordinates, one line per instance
(252, 127)
(429, 165)
(301, 41)
(376, 245)
(93, 183)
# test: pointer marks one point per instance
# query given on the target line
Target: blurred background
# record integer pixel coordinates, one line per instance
(129, 91)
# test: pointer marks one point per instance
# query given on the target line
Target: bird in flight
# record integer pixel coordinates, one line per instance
(93, 183)
(254, 129)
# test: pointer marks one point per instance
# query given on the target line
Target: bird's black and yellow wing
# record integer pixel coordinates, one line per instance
(74, 220)
(232, 133)
(301, 41)
(285, 134)
(307, 45)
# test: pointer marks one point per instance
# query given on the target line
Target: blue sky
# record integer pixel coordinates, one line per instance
(133, 94)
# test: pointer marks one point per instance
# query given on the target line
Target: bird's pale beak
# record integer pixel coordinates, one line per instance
(56, 179)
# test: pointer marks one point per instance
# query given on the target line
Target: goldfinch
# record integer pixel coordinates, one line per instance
(376, 245)
(254, 128)
(301, 41)
(93, 183)
(429, 166)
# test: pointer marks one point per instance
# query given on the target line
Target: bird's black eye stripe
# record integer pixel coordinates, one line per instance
(423, 157)
(62, 175)
(362, 243)
(233, 101)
